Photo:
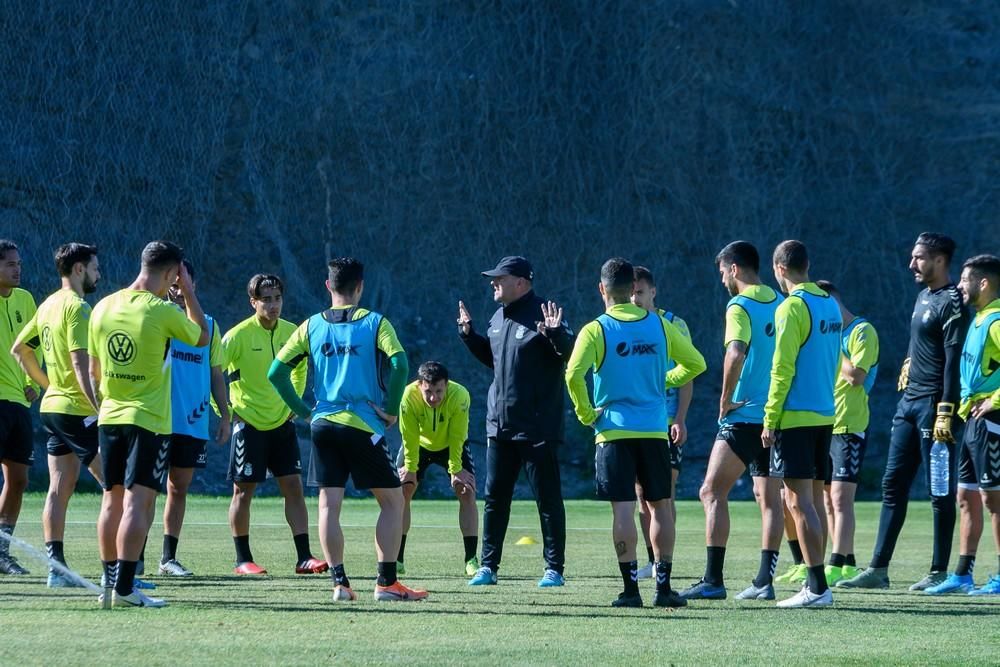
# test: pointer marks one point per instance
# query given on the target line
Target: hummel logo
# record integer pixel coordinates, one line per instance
(197, 413)
(161, 460)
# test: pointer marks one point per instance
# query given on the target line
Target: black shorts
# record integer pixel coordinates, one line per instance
(440, 457)
(71, 434)
(744, 441)
(252, 453)
(188, 452)
(801, 453)
(340, 451)
(981, 449)
(847, 453)
(132, 455)
(676, 453)
(966, 470)
(16, 439)
(619, 464)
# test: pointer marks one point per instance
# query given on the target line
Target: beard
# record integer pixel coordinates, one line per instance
(89, 286)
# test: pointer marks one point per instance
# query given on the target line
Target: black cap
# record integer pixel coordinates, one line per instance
(516, 266)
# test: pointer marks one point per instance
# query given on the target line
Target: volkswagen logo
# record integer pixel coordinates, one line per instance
(121, 347)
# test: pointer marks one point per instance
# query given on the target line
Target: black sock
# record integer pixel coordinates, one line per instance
(110, 572)
(765, 571)
(663, 568)
(471, 542)
(630, 576)
(796, 552)
(339, 576)
(55, 551)
(837, 560)
(849, 560)
(713, 565)
(6, 529)
(302, 550)
(650, 554)
(125, 581)
(817, 580)
(386, 573)
(402, 548)
(243, 554)
(965, 565)
(169, 548)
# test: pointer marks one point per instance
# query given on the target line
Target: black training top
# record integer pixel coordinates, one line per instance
(526, 398)
(937, 332)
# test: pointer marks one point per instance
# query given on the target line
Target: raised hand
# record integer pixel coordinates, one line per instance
(552, 317)
(464, 319)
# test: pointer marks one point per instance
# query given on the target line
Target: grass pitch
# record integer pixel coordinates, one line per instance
(217, 618)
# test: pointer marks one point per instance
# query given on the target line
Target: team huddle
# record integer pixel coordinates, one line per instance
(127, 389)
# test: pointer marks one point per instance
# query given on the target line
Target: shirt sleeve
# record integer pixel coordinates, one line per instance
(682, 327)
(737, 325)
(388, 341)
(216, 351)
(296, 348)
(954, 320)
(587, 353)
(92, 337)
(993, 336)
(791, 322)
(29, 335)
(177, 325)
(458, 429)
(409, 428)
(690, 362)
(863, 346)
(76, 327)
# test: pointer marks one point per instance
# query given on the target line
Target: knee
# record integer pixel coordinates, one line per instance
(177, 489)
(708, 494)
(969, 500)
(992, 501)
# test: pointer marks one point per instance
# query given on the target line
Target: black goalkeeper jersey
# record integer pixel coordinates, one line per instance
(937, 332)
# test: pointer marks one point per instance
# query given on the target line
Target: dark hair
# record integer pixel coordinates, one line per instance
(938, 244)
(828, 287)
(264, 281)
(984, 266)
(6, 246)
(432, 372)
(792, 255)
(344, 274)
(68, 254)
(189, 266)
(618, 277)
(159, 255)
(644, 274)
(741, 253)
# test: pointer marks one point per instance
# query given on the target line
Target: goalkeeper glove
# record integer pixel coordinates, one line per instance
(942, 423)
(904, 375)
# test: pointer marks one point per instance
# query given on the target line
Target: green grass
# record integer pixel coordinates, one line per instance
(217, 618)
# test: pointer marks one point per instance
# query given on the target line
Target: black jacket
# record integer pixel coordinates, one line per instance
(526, 397)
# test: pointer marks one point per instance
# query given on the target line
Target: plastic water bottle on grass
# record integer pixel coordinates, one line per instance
(940, 469)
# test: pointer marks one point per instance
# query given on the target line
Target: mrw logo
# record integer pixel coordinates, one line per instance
(121, 348)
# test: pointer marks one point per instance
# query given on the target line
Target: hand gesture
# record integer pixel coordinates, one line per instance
(388, 419)
(223, 432)
(552, 317)
(464, 319)
(726, 406)
(678, 433)
(184, 282)
(980, 409)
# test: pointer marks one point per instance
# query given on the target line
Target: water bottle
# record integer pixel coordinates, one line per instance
(940, 469)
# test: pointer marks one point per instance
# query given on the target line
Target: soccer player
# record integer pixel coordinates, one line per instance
(678, 402)
(434, 423)
(859, 350)
(979, 459)
(524, 412)
(930, 384)
(195, 379)
(799, 413)
(629, 350)
(128, 341)
(746, 378)
(349, 347)
(17, 393)
(69, 407)
(263, 435)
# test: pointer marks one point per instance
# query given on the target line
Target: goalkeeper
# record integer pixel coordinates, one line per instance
(925, 412)
(434, 423)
